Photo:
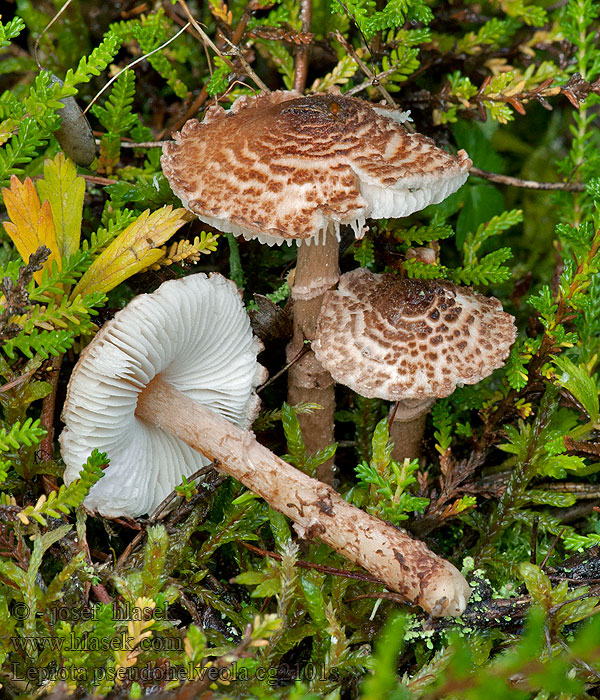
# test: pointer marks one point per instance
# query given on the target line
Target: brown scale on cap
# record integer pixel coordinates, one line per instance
(281, 167)
(396, 338)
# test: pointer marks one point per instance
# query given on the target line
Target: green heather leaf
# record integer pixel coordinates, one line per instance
(578, 382)
(315, 601)
(279, 528)
(551, 498)
(538, 584)
(383, 681)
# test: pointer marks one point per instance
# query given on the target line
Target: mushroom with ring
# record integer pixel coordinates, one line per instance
(282, 167)
(410, 341)
(135, 394)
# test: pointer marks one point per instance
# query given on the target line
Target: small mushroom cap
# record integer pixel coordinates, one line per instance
(280, 166)
(196, 334)
(397, 338)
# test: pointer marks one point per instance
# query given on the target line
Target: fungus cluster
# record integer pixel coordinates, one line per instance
(282, 167)
(161, 388)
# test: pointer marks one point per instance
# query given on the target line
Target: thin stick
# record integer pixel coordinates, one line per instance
(16, 382)
(207, 40)
(176, 18)
(141, 144)
(100, 591)
(284, 369)
(365, 69)
(551, 549)
(123, 558)
(239, 54)
(97, 180)
(534, 532)
(302, 51)
(529, 184)
(45, 29)
(373, 80)
(158, 511)
(301, 564)
(47, 413)
(580, 662)
(240, 29)
(133, 63)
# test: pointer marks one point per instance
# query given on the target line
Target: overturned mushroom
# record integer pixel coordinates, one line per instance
(192, 332)
(157, 400)
(409, 341)
(281, 167)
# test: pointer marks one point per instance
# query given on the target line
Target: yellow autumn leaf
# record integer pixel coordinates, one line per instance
(31, 224)
(135, 249)
(65, 191)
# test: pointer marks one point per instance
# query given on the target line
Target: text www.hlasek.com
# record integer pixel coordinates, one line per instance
(86, 642)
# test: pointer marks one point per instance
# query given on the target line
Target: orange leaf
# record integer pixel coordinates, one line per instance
(31, 223)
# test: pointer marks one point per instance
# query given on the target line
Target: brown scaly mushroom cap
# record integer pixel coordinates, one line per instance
(397, 338)
(280, 166)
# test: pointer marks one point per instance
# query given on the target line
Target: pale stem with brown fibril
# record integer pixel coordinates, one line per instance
(403, 564)
(317, 271)
(407, 427)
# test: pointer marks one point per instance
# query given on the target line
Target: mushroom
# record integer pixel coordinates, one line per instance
(409, 341)
(136, 393)
(206, 350)
(282, 167)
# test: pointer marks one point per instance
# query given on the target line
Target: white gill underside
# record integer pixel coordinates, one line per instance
(206, 350)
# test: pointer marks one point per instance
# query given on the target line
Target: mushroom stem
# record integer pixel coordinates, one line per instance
(407, 427)
(317, 271)
(405, 565)
(407, 436)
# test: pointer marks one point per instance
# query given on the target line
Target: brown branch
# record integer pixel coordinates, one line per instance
(529, 184)
(365, 69)
(96, 180)
(238, 52)
(47, 413)
(302, 51)
(301, 564)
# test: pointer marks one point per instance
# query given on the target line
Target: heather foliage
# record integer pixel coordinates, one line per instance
(217, 589)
